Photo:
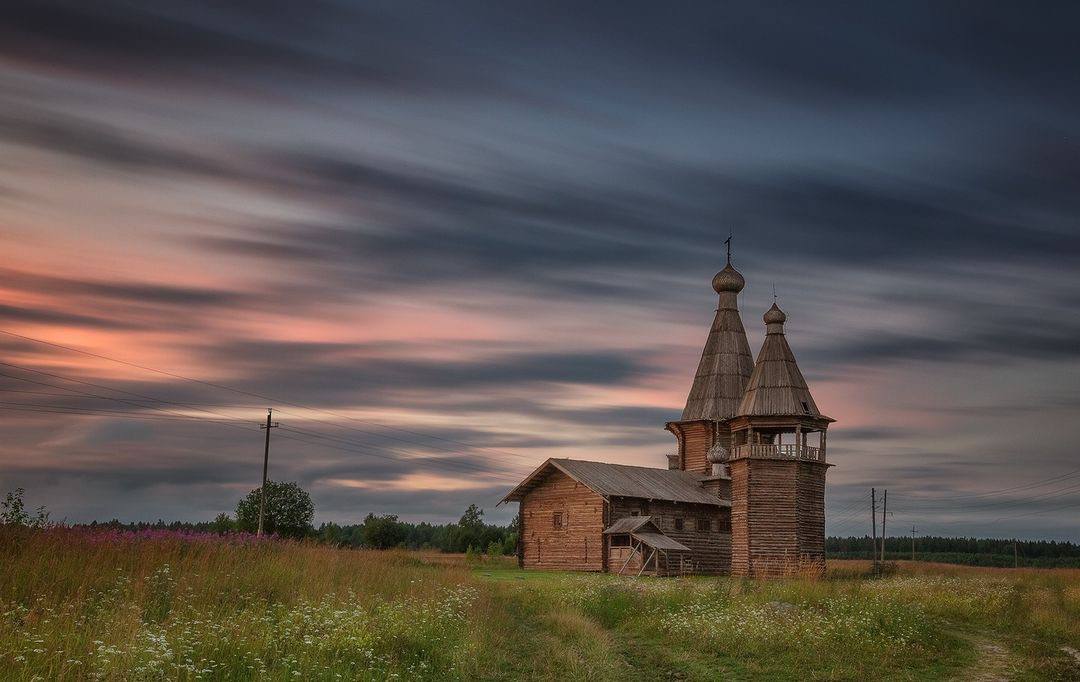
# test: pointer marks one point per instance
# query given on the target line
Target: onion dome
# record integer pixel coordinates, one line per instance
(728, 279)
(717, 454)
(774, 315)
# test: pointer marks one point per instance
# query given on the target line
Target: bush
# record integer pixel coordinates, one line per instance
(14, 512)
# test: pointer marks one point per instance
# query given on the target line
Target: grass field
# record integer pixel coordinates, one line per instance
(79, 605)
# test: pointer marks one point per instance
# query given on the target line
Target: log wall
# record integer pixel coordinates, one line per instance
(578, 545)
(694, 440)
(711, 549)
(810, 516)
(617, 556)
(778, 517)
(763, 516)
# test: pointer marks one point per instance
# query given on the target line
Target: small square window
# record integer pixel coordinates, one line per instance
(704, 525)
(678, 524)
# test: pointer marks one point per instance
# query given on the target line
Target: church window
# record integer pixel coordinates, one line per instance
(678, 523)
(704, 525)
(558, 519)
(620, 540)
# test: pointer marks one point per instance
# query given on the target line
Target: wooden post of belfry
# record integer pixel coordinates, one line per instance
(884, 510)
(873, 526)
(266, 461)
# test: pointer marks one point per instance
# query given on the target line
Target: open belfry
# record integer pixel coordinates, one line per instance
(744, 492)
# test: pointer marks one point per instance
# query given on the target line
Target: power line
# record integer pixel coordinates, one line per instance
(90, 412)
(102, 386)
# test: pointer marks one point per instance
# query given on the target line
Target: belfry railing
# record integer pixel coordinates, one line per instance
(770, 451)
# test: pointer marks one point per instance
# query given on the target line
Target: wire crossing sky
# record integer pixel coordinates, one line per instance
(451, 243)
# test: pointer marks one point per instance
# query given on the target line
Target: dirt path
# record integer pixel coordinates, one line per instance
(994, 663)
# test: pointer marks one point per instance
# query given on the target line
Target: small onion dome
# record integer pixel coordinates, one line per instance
(774, 315)
(717, 454)
(728, 279)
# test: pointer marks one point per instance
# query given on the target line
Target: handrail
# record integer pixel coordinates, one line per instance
(778, 451)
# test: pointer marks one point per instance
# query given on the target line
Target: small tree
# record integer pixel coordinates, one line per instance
(14, 512)
(223, 523)
(289, 510)
(382, 532)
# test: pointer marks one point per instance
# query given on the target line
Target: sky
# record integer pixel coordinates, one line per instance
(446, 242)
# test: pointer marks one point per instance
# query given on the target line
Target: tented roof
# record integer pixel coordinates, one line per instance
(725, 363)
(776, 386)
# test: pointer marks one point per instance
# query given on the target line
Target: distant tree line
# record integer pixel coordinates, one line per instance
(386, 531)
(968, 551)
(376, 532)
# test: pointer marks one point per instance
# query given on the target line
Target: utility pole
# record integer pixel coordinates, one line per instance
(266, 461)
(884, 509)
(913, 543)
(873, 523)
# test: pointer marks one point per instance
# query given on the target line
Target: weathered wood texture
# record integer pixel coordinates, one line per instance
(810, 516)
(577, 545)
(623, 480)
(763, 516)
(694, 440)
(726, 362)
(625, 560)
(778, 517)
(776, 385)
(718, 486)
(711, 549)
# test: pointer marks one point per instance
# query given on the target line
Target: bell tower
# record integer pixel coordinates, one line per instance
(777, 465)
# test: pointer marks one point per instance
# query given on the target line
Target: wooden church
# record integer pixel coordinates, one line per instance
(743, 494)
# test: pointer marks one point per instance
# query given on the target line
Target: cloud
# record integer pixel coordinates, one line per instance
(496, 227)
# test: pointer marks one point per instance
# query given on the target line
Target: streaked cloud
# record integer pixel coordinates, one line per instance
(466, 241)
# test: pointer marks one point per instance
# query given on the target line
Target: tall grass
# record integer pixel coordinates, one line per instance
(159, 605)
(82, 605)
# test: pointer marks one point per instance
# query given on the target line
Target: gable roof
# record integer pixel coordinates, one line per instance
(621, 480)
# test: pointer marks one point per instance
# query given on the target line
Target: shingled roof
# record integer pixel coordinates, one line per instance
(726, 362)
(777, 387)
(621, 480)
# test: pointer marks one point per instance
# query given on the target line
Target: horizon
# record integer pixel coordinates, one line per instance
(445, 246)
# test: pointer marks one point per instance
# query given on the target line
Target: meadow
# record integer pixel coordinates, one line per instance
(163, 605)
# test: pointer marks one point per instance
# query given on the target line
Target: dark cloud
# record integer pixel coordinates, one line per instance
(10, 313)
(212, 47)
(125, 292)
(101, 144)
